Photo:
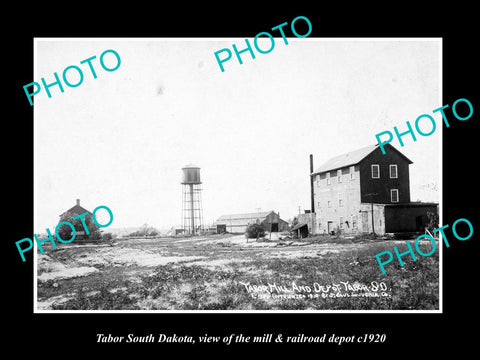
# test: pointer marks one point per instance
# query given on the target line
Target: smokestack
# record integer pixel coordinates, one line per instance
(312, 200)
(78, 202)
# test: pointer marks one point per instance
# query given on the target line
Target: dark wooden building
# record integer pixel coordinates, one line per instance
(238, 223)
(380, 174)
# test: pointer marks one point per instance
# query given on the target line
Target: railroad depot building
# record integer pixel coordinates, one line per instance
(350, 188)
(238, 223)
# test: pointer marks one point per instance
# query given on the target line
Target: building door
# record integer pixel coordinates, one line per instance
(329, 226)
(365, 221)
(221, 229)
(419, 226)
(274, 227)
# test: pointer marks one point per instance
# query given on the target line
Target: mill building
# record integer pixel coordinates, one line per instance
(365, 191)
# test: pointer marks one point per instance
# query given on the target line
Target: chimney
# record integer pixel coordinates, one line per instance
(78, 202)
(312, 199)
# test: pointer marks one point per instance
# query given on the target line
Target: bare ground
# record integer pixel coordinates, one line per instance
(211, 273)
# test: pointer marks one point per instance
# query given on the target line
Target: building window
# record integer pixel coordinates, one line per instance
(340, 202)
(394, 195)
(375, 171)
(341, 223)
(328, 181)
(318, 183)
(339, 176)
(329, 204)
(393, 171)
(352, 173)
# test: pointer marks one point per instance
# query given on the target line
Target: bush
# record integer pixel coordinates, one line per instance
(255, 231)
(108, 237)
(145, 230)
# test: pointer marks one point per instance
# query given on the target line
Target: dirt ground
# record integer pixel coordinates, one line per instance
(214, 272)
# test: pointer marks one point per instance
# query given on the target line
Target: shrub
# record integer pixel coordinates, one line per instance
(255, 231)
(145, 230)
(108, 237)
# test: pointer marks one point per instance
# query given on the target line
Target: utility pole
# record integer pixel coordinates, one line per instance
(371, 200)
(312, 199)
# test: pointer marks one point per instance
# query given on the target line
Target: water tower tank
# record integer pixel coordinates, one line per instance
(191, 174)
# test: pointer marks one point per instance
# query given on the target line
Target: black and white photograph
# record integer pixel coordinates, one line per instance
(240, 180)
(171, 179)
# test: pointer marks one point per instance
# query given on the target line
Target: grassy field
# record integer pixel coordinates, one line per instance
(227, 273)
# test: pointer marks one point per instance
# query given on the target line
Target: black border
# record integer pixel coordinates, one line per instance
(406, 333)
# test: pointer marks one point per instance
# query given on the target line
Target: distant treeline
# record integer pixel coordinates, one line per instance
(145, 230)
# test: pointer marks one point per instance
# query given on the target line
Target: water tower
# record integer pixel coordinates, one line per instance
(192, 217)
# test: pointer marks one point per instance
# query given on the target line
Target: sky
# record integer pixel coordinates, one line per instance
(121, 140)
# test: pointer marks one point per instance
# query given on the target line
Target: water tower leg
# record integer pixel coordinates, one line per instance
(192, 209)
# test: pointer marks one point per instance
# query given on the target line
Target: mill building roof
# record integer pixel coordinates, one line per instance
(353, 158)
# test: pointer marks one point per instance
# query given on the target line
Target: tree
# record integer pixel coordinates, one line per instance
(294, 221)
(255, 231)
(145, 230)
(108, 237)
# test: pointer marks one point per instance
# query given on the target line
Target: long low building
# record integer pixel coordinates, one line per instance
(238, 223)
